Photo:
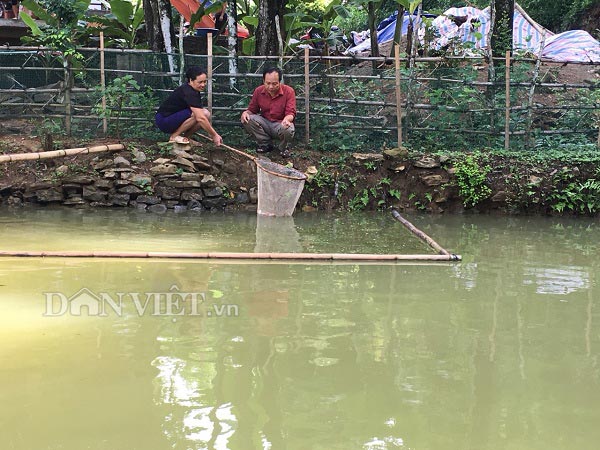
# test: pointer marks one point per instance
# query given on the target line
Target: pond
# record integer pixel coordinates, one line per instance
(499, 351)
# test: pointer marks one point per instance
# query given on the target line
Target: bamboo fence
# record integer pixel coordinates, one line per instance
(400, 101)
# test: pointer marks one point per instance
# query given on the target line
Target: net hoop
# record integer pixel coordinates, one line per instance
(292, 174)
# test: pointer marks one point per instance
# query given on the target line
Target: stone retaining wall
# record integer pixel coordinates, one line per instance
(182, 181)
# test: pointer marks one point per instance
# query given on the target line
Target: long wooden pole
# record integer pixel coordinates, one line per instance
(209, 70)
(507, 111)
(306, 96)
(235, 150)
(103, 85)
(398, 96)
(421, 235)
(230, 256)
(59, 153)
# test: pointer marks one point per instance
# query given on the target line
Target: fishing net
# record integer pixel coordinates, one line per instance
(279, 188)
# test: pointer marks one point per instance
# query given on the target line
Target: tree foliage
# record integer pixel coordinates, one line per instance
(61, 30)
(557, 15)
(502, 33)
(122, 26)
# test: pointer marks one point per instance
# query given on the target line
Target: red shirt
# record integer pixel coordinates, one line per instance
(273, 108)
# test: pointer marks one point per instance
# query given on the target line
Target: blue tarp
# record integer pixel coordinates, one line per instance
(570, 46)
(386, 29)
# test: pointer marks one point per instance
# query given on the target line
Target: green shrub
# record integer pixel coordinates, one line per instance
(471, 180)
(581, 197)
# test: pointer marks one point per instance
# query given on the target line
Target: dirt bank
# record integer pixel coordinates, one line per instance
(152, 176)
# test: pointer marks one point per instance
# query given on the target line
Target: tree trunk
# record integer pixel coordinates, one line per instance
(267, 42)
(373, 29)
(409, 40)
(398, 29)
(502, 33)
(232, 40)
(154, 10)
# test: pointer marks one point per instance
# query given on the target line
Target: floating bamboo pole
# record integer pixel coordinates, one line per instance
(59, 153)
(228, 256)
(421, 235)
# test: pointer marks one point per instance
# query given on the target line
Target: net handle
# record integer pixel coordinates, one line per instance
(239, 152)
(256, 161)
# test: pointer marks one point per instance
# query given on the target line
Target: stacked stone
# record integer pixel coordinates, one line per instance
(181, 182)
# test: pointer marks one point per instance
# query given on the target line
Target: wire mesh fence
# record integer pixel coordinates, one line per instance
(344, 103)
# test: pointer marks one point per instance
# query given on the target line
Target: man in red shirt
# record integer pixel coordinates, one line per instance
(271, 113)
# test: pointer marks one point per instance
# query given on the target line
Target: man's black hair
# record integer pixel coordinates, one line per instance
(271, 70)
(194, 72)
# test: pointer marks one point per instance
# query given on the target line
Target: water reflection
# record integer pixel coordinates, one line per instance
(557, 280)
(276, 234)
(457, 356)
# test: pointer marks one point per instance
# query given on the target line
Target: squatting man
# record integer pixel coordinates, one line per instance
(271, 113)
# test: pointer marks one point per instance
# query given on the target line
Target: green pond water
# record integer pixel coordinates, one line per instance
(499, 351)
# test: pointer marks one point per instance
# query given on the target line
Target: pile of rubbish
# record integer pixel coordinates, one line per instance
(472, 26)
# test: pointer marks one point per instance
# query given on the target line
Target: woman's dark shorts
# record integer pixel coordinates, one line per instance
(171, 122)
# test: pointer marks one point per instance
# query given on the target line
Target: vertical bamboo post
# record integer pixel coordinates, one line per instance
(398, 96)
(507, 111)
(67, 99)
(209, 70)
(103, 85)
(598, 123)
(328, 72)
(306, 96)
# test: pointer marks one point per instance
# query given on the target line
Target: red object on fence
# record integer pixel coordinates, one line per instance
(188, 7)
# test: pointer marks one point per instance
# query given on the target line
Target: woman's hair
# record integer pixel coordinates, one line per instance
(193, 72)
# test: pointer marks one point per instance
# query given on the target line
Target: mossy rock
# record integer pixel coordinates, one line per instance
(396, 153)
